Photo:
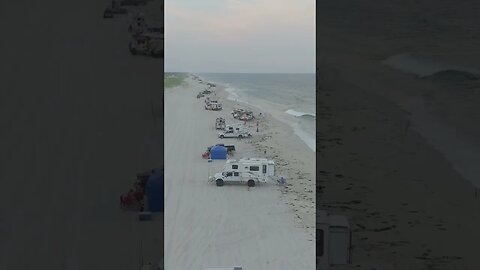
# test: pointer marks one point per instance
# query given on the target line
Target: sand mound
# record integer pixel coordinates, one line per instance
(452, 75)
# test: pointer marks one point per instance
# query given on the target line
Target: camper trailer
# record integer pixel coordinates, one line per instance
(334, 240)
(250, 170)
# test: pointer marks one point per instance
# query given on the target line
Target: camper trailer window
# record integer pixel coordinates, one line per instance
(236, 174)
(319, 243)
(254, 168)
(234, 166)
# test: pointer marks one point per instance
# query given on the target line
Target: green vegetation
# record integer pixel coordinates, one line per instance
(174, 79)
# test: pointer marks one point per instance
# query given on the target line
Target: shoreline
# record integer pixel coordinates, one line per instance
(281, 116)
(294, 159)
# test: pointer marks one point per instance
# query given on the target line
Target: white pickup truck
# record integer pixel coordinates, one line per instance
(234, 133)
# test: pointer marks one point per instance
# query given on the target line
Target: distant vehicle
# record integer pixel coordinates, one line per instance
(234, 134)
(220, 123)
(213, 106)
(250, 170)
(147, 44)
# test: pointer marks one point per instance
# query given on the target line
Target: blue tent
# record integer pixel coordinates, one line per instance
(154, 191)
(218, 152)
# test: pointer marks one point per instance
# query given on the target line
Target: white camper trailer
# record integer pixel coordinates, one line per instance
(250, 170)
(334, 239)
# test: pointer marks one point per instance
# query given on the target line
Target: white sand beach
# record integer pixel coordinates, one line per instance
(265, 227)
(77, 125)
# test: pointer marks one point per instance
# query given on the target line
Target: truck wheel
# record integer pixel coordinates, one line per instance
(251, 183)
(219, 182)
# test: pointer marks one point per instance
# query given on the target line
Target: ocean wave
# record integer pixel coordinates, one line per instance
(306, 137)
(300, 114)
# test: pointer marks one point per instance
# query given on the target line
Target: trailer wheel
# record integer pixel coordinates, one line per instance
(240, 136)
(251, 183)
(219, 182)
(221, 136)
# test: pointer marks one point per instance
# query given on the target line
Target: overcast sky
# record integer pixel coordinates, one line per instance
(266, 36)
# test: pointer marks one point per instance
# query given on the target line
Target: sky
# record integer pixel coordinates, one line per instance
(244, 36)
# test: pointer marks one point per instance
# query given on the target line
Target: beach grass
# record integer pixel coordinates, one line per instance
(174, 79)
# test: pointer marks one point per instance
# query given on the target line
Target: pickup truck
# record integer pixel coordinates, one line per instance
(234, 134)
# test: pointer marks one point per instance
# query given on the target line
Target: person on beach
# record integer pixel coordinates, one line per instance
(281, 181)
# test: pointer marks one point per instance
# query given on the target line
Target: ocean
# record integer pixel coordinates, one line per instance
(289, 98)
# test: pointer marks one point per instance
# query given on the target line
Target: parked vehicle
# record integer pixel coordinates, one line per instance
(213, 106)
(147, 44)
(250, 170)
(234, 134)
(220, 123)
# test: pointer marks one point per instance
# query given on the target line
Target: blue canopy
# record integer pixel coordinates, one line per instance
(218, 152)
(154, 191)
